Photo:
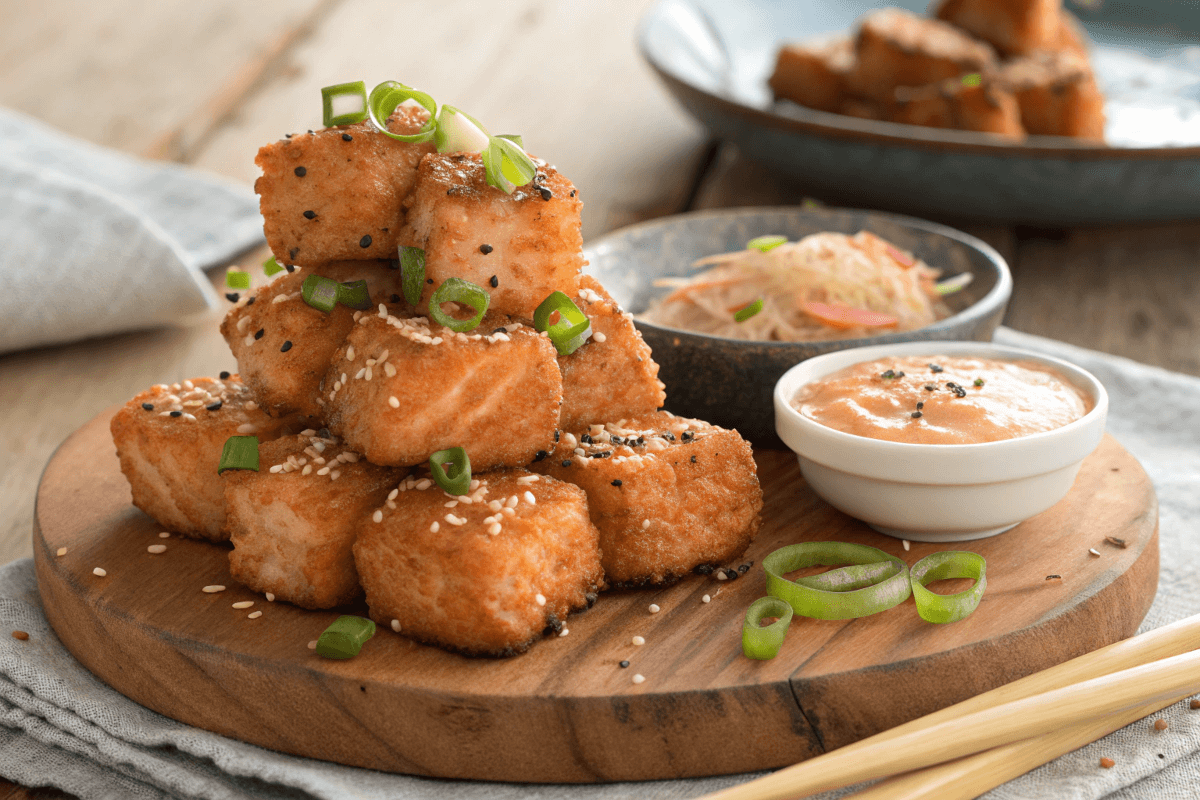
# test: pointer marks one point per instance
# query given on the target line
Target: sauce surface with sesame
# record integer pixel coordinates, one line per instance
(972, 400)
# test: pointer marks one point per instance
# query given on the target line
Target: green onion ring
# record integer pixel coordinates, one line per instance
(453, 136)
(239, 452)
(573, 327)
(765, 243)
(458, 483)
(328, 93)
(512, 137)
(456, 290)
(507, 164)
(387, 96)
(236, 279)
(761, 642)
(271, 267)
(412, 264)
(345, 637)
(749, 310)
(844, 593)
(319, 292)
(354, 294)
(943, 608)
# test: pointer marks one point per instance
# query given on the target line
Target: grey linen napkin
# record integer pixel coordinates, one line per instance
(94, 241)
(60, 726)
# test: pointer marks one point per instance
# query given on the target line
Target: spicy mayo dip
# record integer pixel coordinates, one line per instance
(943, 399)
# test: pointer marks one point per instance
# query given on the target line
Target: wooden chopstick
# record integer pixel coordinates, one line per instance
(1169, 640)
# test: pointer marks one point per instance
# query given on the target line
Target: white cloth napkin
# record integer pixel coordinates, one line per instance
(60, 726)
(94, 241)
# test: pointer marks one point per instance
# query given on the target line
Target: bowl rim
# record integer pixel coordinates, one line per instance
(996, 297)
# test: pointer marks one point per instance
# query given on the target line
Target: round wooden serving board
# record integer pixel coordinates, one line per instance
(566, 711)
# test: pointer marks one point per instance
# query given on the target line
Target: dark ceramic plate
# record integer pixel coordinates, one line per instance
(730, 382)
(715, 56)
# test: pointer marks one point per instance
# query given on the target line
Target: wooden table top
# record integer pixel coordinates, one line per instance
(206, 84)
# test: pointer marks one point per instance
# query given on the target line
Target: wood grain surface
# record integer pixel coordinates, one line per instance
(566, 711)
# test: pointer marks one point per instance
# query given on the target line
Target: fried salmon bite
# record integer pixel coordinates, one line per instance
(403, 388)
(169, 440)
(667, 493)
(485, 573)
(293, 522)
(283, 345)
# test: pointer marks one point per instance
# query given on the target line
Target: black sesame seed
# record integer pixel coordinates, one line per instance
(148, 406)
(394, 263)
(616, 482)
(347, 137)
(687, 436)
(624, 664)
(286, 346)
(586, 438)
(935, 368)
(288, 135)
(617, 440)
(929, 387)
(916, 415)
(176, 413)
(429, 280)
(310, 215)
(250, 302)
(295, 251)
(743, 569)
(494, 281)
(485, 248)
(545, 193)
(920, 405)
(504, 330)
(556, 435)
(731, 574)
(704, 569)
(224, 376)
(572, 193)
(365, 241)
(324, 434)
(693, 459)
(541, 454)
(215, 406)
(395, 298)
(566, 462)
(232, 297)
(301, 171)
(591, 598)
(887, 375)
(258, 334)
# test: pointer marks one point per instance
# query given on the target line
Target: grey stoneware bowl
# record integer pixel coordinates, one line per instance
(730, 382)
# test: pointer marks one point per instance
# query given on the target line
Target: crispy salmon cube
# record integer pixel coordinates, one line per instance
(813, 74)
(337, 193)
(169, 440)
(1013, 27)
(483, 574)
(667, 493)
(403, 388)
(520, 247)
(283, 346)
(612, 376)
(986, 107)
(861, 108)
(293, 523)
(1057, 95)
(898, 48)
(1072, 38)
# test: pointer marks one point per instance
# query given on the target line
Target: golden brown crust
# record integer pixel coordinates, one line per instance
(987, 107)
(1057, 94)
(813, 74)
(1013, 27)
(474, 587)
(292, 527)
(353, 188)
(686, 494)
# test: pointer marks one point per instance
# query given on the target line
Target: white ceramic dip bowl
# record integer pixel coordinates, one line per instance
(938, 492)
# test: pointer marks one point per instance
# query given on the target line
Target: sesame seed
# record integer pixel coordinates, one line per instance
(563, 632)
(377, 516)
(164, 535)
(906, 544)
(706, 599)
(148, 406)
(721, 576)
(254, 615)
(62, 551)
(434, 527)
(270, 597)
(486, 249)
(393, 402)
(243, 604)
(310, 215)
(258, 334)
(286, 346)
(213, 589)
(156, 548)
(645, 524)
(541, 599)
(529, 498)
(347, 137)
(1094, 552)
(364, 242)
(599, 337)
(639, 678)
(300, 172)
(312, 645)
(493, 529)
(396, 625)
(639, 641)
(224, 376)
(99, 572)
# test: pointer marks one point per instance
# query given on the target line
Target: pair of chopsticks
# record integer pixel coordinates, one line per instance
(966, 749)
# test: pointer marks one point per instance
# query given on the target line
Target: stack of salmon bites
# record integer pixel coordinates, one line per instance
(450, 417)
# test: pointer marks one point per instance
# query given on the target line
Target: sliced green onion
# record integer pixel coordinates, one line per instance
(319, 292)
(572, 328)
(972, 79)
(240, 452)
(456, 290)
(763, 642)
(271, 267)
(387, 96)
(412, 262)
(329, 94)
(458, 131)
(508, 165)
(236, 279)
(354, 294)
(747, 311)
(943, 608)
(451, 470)
(876, 581)
(512, 137)
(955, 284)
(345, 637)
(765, 243)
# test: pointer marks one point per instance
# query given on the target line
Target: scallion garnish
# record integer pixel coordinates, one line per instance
(412, 266)
(451, 470)
(943, 608)
(749, 310)
(508, 165)
(512, 137)
(572, 328)
(387, 96)
(876, 581)
(955, 284)
(271, 267)
(456, 290)
(331, 94)
(765, 243)
(354, 294)
(972, 79)
(459, 131)
(240, 452)
(236, 279)
(760, 641)
(319, 292)
(345, 637)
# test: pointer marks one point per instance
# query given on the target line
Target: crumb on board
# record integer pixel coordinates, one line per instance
(62, 551)
(99, 572)
(1107, 763)
(21, 635)
(1160, 724)
(1054, 577)
(1116, 541)
(1194, 704)
(213, 588)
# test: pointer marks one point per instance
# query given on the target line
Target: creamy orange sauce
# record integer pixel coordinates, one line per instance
(919, 404)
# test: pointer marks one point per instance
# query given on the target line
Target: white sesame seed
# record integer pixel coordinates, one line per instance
(333, 476)
(276, 469)
(350, 353)
(1094, 552)
(645, 524)
(599, 337)
(639, 641)
(358, 375)
(654, 609)
(493, 529)
(511, 502)
(270, 597)
(321, 471)
(254, 615)
(495, 505)
(62, 551)
(99, 572)
(541, 599)
(529, 498)
(453, 520)
(450, 504)
(312, 645)
(250, 405)
(308, 432)
(393, 402)
(639, 678)
(563, 632)
(721, 576)
(377, 516)
(389, 370)
(525, 480)
(508, 512)
(396, 625)
(243, 604)
(248, 427)
(423, 484)
(156, 548)
(213, 589)
(393, 493)
(706, 599)
(164, 535)
(307, 470)
(434, 527)
(907, 546)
